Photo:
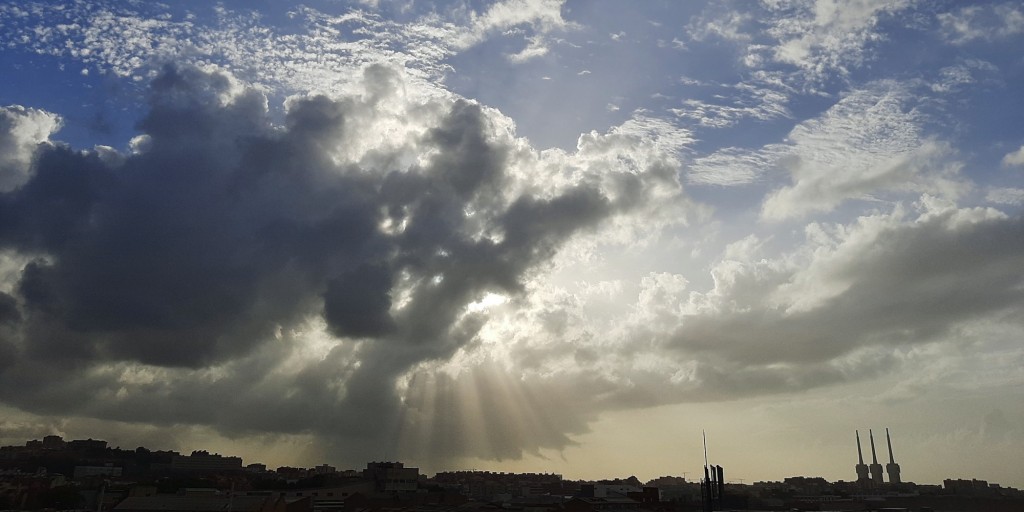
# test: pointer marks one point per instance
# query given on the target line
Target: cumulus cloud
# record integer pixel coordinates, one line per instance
(303, 268)
(840, 307)
(542, 15)
(21, 130)
(862, 290)
(839, 304)
(1014, 158)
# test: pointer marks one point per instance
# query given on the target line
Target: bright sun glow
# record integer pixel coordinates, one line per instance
(488, 301)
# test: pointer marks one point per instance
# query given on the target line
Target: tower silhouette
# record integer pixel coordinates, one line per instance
(876, 468)
(862, 469)
(892, 468)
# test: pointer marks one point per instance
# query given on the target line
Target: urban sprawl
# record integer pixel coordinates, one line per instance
(87, 475)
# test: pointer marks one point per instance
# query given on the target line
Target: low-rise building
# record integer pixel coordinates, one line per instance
(392, 477)
(203, 461)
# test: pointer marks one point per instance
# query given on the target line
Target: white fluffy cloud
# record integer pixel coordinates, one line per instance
(21, 130)
(1014, 158)
(543, 16)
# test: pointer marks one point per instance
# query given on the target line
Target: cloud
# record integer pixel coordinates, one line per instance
(375, 267)
(134, 40)
(838, 308)
(982, 23)
(730, 26)
(1006, 195)
(826, 35)
(869, 143)
(1014, 158)
(763, 97)
(731, 166)
(21, 131)
(303, 268)
(830, 311)
(954, 78)
(536, 48)
(542, 15)
(819, 38)
(845, 305)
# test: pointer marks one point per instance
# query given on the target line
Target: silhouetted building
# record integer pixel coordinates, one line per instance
(972, 486)
(712, 488)
(290, 473)
(607, 490)
(892, 468)
(203, 461)
(392, 476)
(87, 444)
(487, 485)
(53, 443)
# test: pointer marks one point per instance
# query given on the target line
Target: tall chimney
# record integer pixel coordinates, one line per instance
(860, 456)
(876, 468)
(862, 469)
(892, 468)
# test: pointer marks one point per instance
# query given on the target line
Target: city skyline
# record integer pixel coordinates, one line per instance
(518, 234)
(230, 460)
(202, 460)
(87, 474)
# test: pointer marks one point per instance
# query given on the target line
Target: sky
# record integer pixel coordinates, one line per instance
(522, 235)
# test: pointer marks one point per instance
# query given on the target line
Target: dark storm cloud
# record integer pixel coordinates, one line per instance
(200, 253)
(356, 304)
(8, 309)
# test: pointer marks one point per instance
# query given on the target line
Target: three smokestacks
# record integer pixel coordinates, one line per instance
(872, 474)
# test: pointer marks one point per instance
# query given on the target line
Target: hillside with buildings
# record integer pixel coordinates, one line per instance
(54, 474)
